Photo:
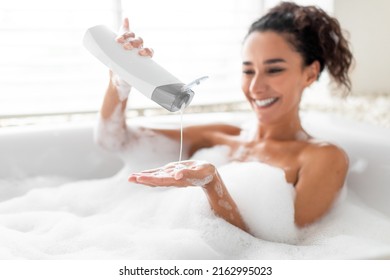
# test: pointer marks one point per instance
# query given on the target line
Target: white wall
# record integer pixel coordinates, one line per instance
(368, 23)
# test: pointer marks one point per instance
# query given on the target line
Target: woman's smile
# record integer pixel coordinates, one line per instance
(265, 102)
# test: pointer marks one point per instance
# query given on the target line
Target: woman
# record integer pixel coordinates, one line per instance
(283, 53)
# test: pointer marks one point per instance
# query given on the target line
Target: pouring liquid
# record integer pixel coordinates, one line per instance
(181, 131)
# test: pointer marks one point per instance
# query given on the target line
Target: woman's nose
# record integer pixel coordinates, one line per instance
(258, 85)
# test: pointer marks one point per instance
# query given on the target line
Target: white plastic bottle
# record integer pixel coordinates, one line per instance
(141, 72)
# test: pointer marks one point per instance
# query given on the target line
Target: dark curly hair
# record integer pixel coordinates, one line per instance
(312, 33)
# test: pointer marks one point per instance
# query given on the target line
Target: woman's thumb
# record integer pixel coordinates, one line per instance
(125, 27)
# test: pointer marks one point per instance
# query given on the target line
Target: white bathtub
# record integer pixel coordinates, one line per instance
(69, 151)
(65, 150)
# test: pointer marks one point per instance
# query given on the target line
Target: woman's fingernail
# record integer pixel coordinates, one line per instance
(132, 178)
(128, 46)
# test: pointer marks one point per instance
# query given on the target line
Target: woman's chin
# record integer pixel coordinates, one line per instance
(265, 118)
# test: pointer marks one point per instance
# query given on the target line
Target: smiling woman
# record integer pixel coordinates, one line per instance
(284, 52)
(269, 189)
(277, 69)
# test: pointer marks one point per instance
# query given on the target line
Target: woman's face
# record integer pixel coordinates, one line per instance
(273, 76)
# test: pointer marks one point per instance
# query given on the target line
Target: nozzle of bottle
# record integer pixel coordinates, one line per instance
(143, 73)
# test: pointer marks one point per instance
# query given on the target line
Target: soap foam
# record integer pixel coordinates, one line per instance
(122, 87)
(201, 182)
(265, 200)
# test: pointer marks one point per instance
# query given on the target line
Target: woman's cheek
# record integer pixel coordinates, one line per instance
(245, 86)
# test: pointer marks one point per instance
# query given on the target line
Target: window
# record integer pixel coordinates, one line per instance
(45, 69)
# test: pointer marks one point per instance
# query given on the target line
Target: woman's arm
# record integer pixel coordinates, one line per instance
(112, 132)
(321, 177)
(222, 203)
(195, 173)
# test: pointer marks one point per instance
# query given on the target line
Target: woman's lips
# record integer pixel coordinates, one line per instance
(266, 102)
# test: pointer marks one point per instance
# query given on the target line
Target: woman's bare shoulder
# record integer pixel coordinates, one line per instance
(323, 151)
(325, 163)
(321, 176)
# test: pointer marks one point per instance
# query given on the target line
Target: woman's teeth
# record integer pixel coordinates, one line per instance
(265, 102)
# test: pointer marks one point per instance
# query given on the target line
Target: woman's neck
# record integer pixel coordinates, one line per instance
(289, 128)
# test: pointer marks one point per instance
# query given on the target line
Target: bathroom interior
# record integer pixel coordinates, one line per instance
(63, 197)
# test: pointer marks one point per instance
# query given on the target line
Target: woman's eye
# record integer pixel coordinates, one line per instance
(274, 70)
(248, 72)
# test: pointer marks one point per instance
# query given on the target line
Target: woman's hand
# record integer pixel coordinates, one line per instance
(195, 173)
(177, 174)
(128, 41)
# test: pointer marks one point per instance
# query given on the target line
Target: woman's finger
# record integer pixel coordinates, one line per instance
(136, 42)
(123, 38)
(156, 181)
(132, 179)
(146, 52)
(137, 180)
(128, 35)
(132, 43)
(125, 27)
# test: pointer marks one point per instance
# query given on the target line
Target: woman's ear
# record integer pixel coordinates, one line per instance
(312, 72)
